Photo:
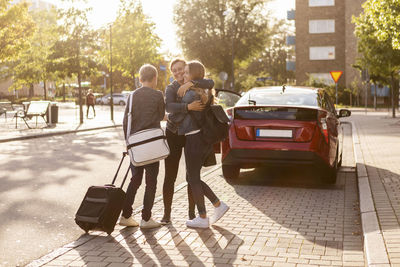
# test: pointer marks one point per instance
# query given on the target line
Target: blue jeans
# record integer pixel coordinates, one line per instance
(196, 151)
(150, 192)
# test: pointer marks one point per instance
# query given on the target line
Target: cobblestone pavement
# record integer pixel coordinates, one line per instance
(380, 143)
(279, 223)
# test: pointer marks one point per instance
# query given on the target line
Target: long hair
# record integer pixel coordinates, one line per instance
(197, 72)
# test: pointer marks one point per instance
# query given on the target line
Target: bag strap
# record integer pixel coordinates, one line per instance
(128, 128)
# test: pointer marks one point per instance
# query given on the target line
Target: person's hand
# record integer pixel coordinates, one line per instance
(182, 90)
(196, 106)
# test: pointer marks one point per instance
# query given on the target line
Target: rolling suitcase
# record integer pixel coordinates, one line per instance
(102, 205)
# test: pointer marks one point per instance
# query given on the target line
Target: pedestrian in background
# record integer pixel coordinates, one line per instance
(176, 112)
(148, 109)
(90, 102)
(196, 149)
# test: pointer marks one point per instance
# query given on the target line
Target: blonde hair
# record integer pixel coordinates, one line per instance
(147, 73)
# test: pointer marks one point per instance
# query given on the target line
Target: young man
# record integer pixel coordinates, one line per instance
(90, 102)
(176, 142)
(148, 109)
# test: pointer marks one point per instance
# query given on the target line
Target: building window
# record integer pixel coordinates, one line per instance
(322, 78)
(322, 53)
(321, 26)
(312, 3)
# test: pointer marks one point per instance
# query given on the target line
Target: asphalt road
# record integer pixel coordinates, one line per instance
(43, 181)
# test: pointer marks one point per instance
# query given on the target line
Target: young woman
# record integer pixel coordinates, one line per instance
(176, 111)
(196, 149)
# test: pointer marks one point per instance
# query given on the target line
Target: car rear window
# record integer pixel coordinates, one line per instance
(279, 98)
(275, 113)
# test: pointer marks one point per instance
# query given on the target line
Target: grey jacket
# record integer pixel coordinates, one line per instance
(148, 109)
(188, 124)
(174, 105)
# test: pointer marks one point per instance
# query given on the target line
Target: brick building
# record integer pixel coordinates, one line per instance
(325, 40)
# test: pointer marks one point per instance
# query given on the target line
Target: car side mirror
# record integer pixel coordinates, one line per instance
(344, 113)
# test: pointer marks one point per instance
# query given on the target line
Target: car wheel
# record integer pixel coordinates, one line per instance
(332, 171)
(121, 103)
(230, 172)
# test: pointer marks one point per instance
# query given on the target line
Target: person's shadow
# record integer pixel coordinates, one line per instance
(227, 244)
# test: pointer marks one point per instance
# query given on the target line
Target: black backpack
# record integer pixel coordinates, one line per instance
(215, 125)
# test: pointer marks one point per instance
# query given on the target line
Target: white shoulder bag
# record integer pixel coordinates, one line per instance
(146, 146)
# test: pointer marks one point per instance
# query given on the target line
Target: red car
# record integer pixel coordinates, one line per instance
(283, 125)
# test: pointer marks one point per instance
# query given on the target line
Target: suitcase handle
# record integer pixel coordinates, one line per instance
(119, 167)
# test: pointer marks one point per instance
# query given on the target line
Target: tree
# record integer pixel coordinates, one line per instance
(133, 40)
(377, 29)
(222, 33)
(16, 26)
(31, 67)
(75, 52)
(270, 62)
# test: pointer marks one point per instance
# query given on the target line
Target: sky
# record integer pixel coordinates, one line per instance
(161, 13)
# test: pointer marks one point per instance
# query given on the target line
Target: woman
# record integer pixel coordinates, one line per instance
(196, 149)
(176, 112)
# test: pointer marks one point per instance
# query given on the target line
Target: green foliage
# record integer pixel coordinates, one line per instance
(31, 67)
(133, 41)
(75, 50)
(213, 30)
(378, 31)
(270, 62)
(16, 26)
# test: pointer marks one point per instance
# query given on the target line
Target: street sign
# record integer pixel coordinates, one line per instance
(263, 79)
(336, 75)
(163, 67)
(223, 75)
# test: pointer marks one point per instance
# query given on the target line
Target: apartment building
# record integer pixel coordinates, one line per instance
(325, 40)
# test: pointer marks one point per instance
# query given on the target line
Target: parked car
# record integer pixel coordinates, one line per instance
(283, 126)
(118, 99)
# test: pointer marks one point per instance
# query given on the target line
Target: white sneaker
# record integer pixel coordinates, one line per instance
(198, 222)
(219, 212)
(149, 224)
(128, 221)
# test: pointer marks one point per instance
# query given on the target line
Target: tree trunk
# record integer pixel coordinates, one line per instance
(80, 99)
(31, 91)
(63, 92)
(392, 94)
(45, 90)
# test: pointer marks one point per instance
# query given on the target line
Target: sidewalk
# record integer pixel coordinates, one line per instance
(378, 166)
(68, 121)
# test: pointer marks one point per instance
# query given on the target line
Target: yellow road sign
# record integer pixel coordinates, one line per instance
(336, 75)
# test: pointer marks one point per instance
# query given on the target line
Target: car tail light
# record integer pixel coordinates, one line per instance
(323, 125)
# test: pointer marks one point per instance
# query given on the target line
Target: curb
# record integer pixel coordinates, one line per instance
(56, 133)
(86, 237)
(374, 245)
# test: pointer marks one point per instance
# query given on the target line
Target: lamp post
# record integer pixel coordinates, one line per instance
(227, 12)
(111, 83)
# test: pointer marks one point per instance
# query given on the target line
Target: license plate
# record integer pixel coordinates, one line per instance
(274, 133)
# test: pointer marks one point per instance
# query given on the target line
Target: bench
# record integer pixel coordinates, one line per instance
(7, 108)
(35, 109)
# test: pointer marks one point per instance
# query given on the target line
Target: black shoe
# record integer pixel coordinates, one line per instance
(165, 220)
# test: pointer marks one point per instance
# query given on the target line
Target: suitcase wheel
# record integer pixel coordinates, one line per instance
(109, 232)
